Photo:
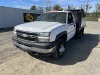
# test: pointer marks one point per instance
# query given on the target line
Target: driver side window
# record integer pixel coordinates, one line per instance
(70, 18)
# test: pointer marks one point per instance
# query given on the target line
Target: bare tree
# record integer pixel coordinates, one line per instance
(39, 8)
(98, 7)
(48, 5)
(86, 7)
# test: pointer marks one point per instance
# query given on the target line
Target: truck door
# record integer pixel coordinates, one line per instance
(72, 25)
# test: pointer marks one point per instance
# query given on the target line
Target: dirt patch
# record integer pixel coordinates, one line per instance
(82, 56)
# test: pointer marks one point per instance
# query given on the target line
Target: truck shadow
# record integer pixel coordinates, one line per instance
(78, 50)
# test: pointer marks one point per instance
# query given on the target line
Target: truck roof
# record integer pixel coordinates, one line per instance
(58, 11)
(73, 11)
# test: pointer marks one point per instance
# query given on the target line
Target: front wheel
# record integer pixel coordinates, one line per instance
(60, 49)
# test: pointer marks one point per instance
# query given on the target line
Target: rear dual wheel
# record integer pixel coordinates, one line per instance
(80, 33)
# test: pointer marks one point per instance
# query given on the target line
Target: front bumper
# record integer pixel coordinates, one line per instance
(34, 46)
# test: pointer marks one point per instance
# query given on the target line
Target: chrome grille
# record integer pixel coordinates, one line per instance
(27, 35)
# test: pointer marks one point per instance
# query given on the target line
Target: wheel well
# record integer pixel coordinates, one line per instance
(63, 37)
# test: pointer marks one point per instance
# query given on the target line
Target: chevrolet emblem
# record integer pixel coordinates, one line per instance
(24, 35)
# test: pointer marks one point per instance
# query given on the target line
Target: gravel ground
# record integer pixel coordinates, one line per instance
(82, 56)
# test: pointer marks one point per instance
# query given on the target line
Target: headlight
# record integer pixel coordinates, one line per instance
(46, 34)
(14, 32)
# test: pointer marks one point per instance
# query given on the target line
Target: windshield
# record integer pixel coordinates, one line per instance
(53, 17)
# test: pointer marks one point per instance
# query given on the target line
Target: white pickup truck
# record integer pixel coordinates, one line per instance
(51, 31)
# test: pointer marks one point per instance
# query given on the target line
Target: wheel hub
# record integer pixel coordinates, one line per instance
(61, 49)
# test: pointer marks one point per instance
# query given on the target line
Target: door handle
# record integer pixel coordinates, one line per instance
(71, 23)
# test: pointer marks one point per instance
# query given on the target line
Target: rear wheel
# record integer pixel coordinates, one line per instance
(60, 49)
(80, 33)
(83, 32)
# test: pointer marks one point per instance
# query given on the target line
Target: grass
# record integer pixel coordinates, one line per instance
(91, 18)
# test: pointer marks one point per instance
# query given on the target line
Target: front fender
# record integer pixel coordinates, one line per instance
(57, 32)
(61, 34)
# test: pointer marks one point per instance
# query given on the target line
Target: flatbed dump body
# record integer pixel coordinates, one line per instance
(79, 15)
(80, 20)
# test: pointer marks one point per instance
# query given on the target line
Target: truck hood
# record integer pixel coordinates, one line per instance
(38, 26)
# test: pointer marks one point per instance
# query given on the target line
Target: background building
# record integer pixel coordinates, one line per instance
(10, 17)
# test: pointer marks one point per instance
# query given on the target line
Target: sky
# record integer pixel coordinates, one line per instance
(26, 4)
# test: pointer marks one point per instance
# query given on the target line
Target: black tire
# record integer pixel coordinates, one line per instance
(80, 33)
(83, 32)
(58, 54)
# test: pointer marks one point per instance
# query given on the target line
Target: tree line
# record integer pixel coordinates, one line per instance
(86, 8)
(40, 8)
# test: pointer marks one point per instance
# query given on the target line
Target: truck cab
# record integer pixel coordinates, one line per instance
(49, 33)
